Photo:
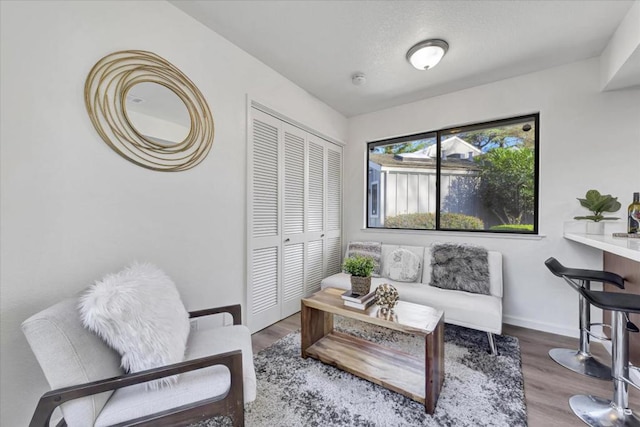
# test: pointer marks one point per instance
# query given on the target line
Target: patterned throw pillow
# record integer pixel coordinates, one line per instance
(402, 265)
(370, 249)
(460, 267)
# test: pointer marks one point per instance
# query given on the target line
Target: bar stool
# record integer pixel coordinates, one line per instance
(596, 411)
(582, 361)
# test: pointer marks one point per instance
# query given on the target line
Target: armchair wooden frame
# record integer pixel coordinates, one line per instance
(231, 404)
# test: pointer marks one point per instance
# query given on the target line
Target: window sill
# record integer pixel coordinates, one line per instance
(457, 234)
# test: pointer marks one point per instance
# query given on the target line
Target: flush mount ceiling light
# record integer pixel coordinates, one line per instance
(427, 53)
(358, 79)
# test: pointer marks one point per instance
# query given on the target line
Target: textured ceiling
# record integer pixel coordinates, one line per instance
(319, 44)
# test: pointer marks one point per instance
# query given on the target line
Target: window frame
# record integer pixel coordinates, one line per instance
(444, 132)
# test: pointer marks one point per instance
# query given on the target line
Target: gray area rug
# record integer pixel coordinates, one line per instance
(479, 389)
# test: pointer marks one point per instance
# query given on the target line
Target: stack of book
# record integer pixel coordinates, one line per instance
(361, 302)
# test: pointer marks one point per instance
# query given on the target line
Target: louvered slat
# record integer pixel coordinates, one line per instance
(293, 280)
(333, 256)
(315, 211)
(265, 179)
(294, 184)
(315, 263)
(334, 189)
(264, 279)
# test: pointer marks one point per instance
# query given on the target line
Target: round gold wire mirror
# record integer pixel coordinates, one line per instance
(148, 111)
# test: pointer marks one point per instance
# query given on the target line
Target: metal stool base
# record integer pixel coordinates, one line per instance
(581, 363)
(598, 412)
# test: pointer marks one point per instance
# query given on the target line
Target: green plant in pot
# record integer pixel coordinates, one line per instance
(360, 268)
(598, 204)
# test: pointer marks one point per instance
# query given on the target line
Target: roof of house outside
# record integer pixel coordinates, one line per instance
(450, 146)
(389, 160)
(456, 152)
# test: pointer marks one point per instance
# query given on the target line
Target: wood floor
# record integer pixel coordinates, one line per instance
(547, 385)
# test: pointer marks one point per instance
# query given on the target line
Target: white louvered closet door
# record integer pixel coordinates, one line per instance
(265, 238)
(293, 243)
(333, 233)
(315, 214)
(294, 201)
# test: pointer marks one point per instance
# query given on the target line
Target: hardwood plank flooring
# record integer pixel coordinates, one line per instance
(548, 386)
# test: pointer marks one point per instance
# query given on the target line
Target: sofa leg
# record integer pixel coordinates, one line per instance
(492, 343)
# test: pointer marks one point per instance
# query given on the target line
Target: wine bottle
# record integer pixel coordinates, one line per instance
(633, 223)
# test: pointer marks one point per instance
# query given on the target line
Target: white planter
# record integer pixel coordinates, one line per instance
(595, 227)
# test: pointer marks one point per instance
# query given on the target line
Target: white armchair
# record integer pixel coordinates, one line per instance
(216, 378)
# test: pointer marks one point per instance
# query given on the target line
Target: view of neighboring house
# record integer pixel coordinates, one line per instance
(405, 183)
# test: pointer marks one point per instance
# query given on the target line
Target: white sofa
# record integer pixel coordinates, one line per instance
(476, 311)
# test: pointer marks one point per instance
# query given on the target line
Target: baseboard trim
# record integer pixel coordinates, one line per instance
(541, 326)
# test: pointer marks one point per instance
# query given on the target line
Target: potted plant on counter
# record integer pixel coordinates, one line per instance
(360, 268)
(598, 203)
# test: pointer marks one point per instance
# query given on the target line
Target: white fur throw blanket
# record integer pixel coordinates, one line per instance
(138, 312)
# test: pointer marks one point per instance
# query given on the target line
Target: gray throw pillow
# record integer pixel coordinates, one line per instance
(460, 267)
(370, 249)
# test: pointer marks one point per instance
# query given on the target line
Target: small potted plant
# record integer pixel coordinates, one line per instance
(598, 203)
(360, 268)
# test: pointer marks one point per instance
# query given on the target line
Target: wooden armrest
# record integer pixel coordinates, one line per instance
(234, 310)
(52, 399)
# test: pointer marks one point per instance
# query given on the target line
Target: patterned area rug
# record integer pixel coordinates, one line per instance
(479, 389)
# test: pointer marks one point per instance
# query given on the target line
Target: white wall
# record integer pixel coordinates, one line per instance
(73, 210)
(620, 61)
(588, 140)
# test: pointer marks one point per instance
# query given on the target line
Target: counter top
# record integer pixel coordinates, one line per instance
(626, 247)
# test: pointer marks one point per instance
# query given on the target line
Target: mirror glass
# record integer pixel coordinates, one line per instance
(157, 113)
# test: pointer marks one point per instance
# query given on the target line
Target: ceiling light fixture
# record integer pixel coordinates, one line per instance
(427, 53)
(358, 79)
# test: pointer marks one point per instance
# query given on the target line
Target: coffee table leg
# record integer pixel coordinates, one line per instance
(434, 367)
(315, 325)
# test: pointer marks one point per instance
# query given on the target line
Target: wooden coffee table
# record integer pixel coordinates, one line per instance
(418, 379)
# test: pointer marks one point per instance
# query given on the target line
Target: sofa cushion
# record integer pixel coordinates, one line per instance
(402, 265)
(476, 311)
(69, 354)
(369, 249)
(133, 402)
(460, 267)
(138, 312)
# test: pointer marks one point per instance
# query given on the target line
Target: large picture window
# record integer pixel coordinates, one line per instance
(480, 177)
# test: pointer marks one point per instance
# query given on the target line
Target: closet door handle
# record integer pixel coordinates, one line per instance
(322, 235)
(286, 240)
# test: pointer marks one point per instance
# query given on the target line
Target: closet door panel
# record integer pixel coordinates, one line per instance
(316, 184)
(294, 180)
(292, 279)
(315, 266)
(265, 295)
(333, 242)
(263, 228)
(333, 251)
(265, 179)
(334, 188)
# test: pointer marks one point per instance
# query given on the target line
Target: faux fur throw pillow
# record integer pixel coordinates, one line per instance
(370, 249)
(460, 267)
(138, 312)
